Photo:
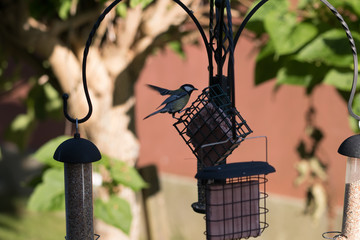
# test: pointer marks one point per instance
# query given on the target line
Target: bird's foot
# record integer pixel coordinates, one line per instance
(173, 115)
(184, 110)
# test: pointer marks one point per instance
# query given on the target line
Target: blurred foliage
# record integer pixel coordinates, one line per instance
(305, 45)
(49, 191)
(312, 172)
(302, 43)
(42, 102)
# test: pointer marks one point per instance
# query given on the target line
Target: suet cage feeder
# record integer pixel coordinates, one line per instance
(235, 199)
(212, 127)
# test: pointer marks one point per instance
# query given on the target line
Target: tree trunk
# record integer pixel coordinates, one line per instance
(112, 70)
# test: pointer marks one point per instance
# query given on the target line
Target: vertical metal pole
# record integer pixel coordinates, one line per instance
(79, 201)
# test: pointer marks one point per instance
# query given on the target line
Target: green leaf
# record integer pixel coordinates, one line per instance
(143, 3)
(45, 101)
(121, 9)
(287, 33)
(116, 212)
(50, 194)
(20, 129)
(354, 124)
(267, 64)
(340, 79)
(64, 9)
(126, 175)
(293, 74)
(331, 47)
(354, 4)
(177, 47)
(46, 152)
(256, 23)
(300, 73)
(53, 100)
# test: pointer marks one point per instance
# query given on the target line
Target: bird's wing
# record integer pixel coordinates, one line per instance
(173, 98)
(162, 91)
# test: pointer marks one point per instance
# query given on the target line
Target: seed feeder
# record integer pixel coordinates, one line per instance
(78, 154)
(351, 149)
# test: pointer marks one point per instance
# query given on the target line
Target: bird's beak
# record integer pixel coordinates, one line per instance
(195, 89)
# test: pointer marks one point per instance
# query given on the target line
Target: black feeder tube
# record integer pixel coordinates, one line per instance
(77, 154)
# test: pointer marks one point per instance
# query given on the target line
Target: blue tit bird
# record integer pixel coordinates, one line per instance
(176, 101)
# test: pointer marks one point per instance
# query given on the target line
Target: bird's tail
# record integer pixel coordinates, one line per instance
(156, 112)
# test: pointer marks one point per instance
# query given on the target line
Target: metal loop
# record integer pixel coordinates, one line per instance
(86, 51)
(332, 232)
(76, 126)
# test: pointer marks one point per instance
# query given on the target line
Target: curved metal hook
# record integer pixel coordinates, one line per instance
(201, 30)
(86, 51)
(246, 20)
(353, 49)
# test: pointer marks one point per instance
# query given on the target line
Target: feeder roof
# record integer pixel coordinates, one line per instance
(234, 170)
(350, 147)
(77, 150)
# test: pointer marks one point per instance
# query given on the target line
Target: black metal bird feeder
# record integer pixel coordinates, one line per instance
(78, 154)
(212, 127)
(235, 199)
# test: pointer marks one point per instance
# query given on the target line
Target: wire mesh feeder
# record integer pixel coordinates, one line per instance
(212, 119)
(235, 199)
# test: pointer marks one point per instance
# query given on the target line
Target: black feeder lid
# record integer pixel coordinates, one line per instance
(77, 150)
(350, 147)
(234, 170)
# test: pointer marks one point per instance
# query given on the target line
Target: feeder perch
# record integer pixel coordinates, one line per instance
(211, 119)
(235, 199)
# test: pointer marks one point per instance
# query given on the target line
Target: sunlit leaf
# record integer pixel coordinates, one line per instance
(64, 9)
(143, 3)
(256, 22)
(331, 47)
(300, 73)
(126, 175)
(46, 152)
(121, 9)
(116, 212)
(177, 47)
(287, 33)
(20, 129)
(49, 195)
(342, 80)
